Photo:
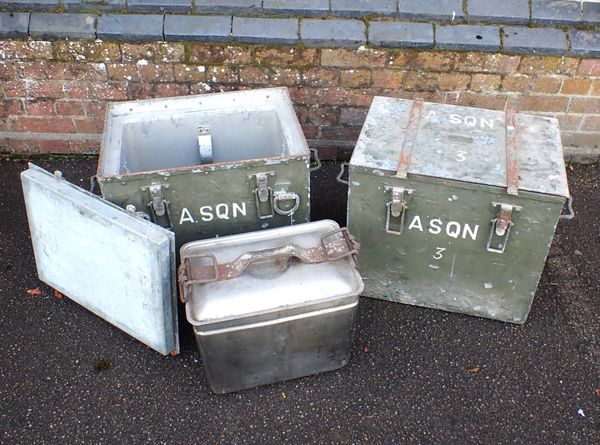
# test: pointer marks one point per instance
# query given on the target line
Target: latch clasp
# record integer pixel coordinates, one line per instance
(501, 225)
(263, 195)
(159, 206)
(396, 209)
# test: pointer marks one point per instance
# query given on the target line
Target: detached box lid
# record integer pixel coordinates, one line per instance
(204, 130)
(462, 144)
(267, 275)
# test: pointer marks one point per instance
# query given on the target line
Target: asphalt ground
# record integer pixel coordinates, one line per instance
(415, 376)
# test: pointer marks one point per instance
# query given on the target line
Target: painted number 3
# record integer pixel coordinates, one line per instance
(460, 156)
(438, 253)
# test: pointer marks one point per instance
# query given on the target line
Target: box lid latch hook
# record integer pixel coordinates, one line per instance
(501, 225)
(396, 209)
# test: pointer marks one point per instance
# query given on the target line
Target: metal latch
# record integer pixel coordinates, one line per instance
(159, 206)
(263, 195)
(205, 145)
(396, 209)
(501, 225)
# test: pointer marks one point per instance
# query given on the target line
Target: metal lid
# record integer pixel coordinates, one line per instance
(268, 274)
(463, 144)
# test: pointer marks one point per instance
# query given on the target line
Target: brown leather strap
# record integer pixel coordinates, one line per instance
(410, 136)
(512, 167)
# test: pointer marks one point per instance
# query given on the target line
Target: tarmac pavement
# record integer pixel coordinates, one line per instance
(415, 376)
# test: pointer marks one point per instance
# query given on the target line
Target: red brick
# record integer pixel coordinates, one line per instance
(340, 133)
(9, 107)
(218, 54)
(486, 63)
(301, 113)
(76, 90)
(122, 71)
(435, 61)
(306, 95)
(589, 67)
(69, 108)
(170, 52)
(576, 86)
(285, 76)
(86, 51)
(341, 96)
(171, 89)
(569, 122)
(153, 52)
(95, 72)
(477, 100)
(485, 82)
(548, 65)
(595, 90)
(222, 74)
(581, 140)
(420, 81)
(586, 105)
(516, 83)
(538, 103)
(353, 116)
(95, 109)
(203, 88)
(310, 131)
(453, 82)
(84, 147)
(33, 88)
(7, 70)
(321, 77)
(318, 115)
(591, 123)
(353, 58)
(188, 73)
(16, 49)
(359, 78)
(387, 78)
(547, 84)
(40, 107)
(95, 126)
(108, 91)
(43, 124)
(60, 147)
(158, 72)
(286, 57)
(254, 75)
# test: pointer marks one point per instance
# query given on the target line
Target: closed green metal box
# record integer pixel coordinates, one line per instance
(455, 208)
(208, 165)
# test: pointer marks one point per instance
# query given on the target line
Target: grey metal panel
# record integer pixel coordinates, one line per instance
(463, 144)
(112, 263)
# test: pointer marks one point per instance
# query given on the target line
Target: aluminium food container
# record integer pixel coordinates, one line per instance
(271, 305)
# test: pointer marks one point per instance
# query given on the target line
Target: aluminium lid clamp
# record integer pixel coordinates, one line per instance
(333, 246)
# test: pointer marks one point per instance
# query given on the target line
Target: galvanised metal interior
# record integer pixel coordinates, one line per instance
(162, 134)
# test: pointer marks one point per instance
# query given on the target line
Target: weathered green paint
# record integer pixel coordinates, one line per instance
(412, 268)
(214, 200)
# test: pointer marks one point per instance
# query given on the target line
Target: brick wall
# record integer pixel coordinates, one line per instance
(55, 93)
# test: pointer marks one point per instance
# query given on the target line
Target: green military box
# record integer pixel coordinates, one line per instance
(208, 165)
(455, 208)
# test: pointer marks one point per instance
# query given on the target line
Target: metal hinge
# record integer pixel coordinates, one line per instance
(396, 209)
(501, 225)
(159, 206)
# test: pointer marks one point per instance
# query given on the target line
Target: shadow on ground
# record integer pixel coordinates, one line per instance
(407, 381)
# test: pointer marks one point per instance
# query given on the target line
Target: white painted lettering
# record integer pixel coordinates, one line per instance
(472, 232)
(222, 211)
(416, 223)
(435, 226)
(206, 212)
(455, 119)
(470, 121)
(438, 253)
(186, 216)
(453, 229)
(487, 123)
(237, 208)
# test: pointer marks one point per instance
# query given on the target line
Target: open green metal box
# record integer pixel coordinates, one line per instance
(455, 208)
(208, 165)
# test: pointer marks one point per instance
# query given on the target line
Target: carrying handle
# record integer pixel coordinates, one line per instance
(571, 213)
(315, 155)
(338, 178)
(328, 250)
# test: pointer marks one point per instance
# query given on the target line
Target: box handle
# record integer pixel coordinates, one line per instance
(571, 213)
(282, 197)
(334, 245)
